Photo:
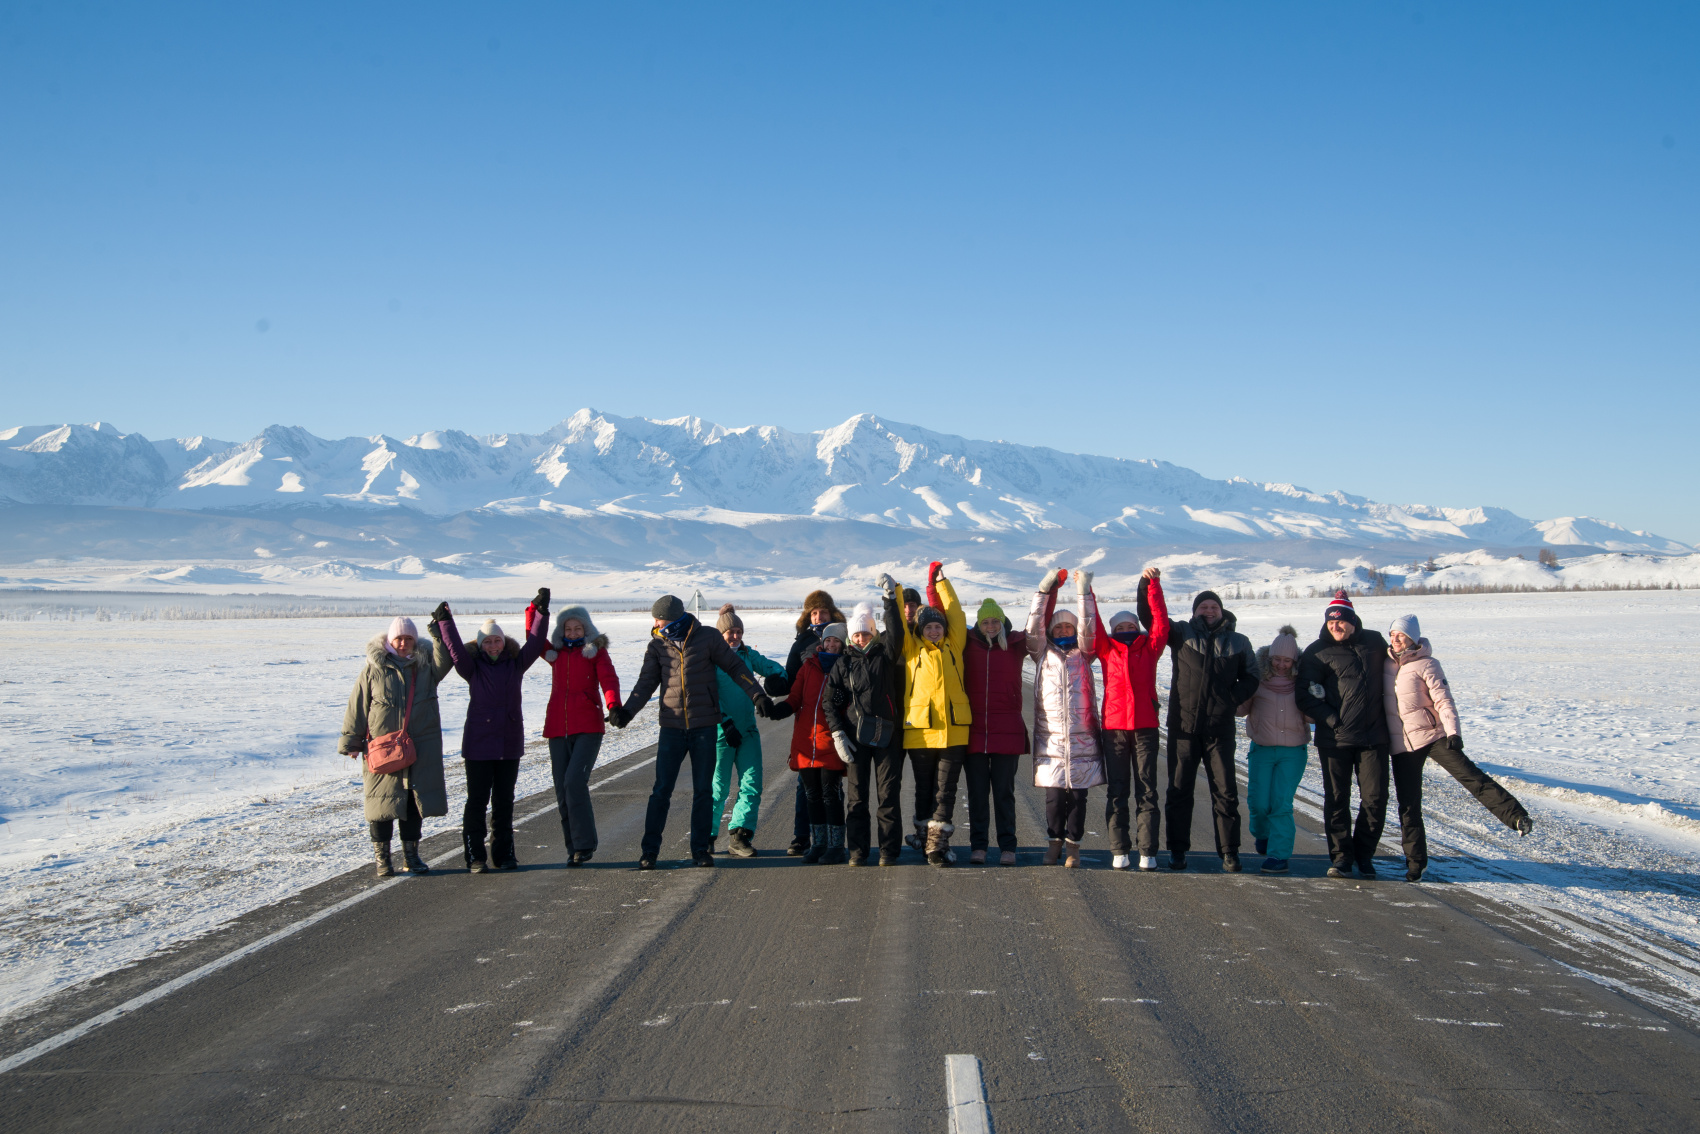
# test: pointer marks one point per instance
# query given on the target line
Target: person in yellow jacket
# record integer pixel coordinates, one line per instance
(936, 714)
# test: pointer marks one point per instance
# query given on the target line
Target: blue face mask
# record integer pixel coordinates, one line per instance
(1067, 643)
(677, 629)
(827, 661)
(1125, 637)
(571, 643)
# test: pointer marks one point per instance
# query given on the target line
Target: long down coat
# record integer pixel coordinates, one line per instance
(993, 671)
(1066, 753)
(375, 708)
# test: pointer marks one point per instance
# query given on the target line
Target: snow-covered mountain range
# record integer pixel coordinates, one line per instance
(865, 469)
(605, 493)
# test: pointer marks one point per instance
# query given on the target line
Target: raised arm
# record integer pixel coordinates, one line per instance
(1154, 609)
(536, 638)
(1088, 629)
(458, 653)
(895, 631)
(956, 622)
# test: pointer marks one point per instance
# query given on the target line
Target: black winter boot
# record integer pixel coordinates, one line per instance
(410, 855)
(381, 853)
(738, 842)
(835, 855)
(817, 843)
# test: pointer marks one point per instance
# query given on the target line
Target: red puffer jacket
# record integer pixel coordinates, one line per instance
(573, 704)
(992, 673)
(1130, 668)
(811, 739)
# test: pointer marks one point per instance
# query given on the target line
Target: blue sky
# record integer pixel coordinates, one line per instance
(1440, 253)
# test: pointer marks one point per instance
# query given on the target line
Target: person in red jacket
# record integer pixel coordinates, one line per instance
(1129, 660)
(997, 733)
(584, 687)
(814, 755)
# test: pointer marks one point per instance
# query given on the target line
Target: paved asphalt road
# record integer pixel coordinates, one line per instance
(771, 995)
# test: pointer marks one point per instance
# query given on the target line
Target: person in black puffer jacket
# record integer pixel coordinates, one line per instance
(1341, 689)
(865, 689)
(1214, 672)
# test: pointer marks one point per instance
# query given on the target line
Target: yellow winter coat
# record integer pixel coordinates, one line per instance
(936, 711)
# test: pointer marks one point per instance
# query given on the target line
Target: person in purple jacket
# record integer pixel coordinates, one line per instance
(494, 738)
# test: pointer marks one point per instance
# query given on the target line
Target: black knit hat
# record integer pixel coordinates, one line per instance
(930, 614)
(668, 608)
(1201, 596)
(911, 596)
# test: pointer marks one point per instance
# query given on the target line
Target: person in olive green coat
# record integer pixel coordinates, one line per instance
(393, 662)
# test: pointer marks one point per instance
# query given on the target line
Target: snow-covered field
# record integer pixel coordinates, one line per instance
(160, 777)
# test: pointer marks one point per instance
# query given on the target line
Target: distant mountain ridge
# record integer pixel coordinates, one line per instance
(866, 470)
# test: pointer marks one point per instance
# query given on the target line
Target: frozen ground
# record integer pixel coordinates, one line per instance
(160, 777)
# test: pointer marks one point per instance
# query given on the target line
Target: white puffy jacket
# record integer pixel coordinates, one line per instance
(1066, 753)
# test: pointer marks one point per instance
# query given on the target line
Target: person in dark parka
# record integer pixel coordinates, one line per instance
(683, 662)
(1341, 688)
(493, 740)
(1214, 672)
(863, 704)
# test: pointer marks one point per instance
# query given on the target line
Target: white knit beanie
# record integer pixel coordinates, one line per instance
(862, 619)
(400, 625)
(488, 630)
(1063, 614)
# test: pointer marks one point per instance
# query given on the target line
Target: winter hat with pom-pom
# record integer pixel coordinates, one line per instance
(862, 619)
(1286, 644)
(1340, 606)
(728, 619)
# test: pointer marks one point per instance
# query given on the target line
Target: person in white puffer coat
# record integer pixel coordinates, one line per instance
(1067, 755)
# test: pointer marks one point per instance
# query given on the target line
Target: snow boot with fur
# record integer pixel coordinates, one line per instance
(1072, 858)
(1053, 853)
(938, 842)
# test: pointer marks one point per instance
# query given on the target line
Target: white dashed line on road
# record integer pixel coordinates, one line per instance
(967, 1095)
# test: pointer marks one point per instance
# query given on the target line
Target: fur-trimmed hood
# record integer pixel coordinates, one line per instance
(378, 655)
(594, 639)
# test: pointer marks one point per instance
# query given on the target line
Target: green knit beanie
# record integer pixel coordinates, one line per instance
(989, 609)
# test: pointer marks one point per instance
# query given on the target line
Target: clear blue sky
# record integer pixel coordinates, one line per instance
(1442, 253)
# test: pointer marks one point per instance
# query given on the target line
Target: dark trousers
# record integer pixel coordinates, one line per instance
(949, 773)
(876, 774)
(489, 783)
(825, 791)
(1408, 783)
(1348, 844)
(924, 765)
(991, 774)
(1216, 752)
(1478, 783)
(1131, 766)
(800, 820)
(382, 830)
(1065, 813)
(670, 752)
(571, 759)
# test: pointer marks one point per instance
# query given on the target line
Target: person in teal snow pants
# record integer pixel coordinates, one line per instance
(737, 757)
(1280, 735)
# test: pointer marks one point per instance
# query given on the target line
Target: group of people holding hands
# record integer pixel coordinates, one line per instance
(922, 687)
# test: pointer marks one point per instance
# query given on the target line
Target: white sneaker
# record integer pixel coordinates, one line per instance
(1148, 862)
(1120, 862)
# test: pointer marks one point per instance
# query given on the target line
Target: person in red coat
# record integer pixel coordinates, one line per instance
(814, 756)
(1129, 660)
(997, 733)
(585, 687)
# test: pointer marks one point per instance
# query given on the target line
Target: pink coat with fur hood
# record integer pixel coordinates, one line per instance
(1419, 700)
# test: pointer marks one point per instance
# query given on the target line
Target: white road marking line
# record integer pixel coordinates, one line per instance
(967, 1095)
(160, 992)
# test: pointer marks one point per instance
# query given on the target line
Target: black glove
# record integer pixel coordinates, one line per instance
(764, 706)
(1455, 743)
(734, 738)
(441, 614)
(618, 717)
(776, 685)
(781, 710)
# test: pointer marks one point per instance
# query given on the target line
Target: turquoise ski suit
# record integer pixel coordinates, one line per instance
(745, 760)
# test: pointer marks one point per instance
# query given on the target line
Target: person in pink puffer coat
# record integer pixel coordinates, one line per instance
(1067, 755)
(1422, 720)
(1280, 736)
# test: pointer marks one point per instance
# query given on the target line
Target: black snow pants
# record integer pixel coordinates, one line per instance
(875, 777)
(1131, 767)
(1350, 844)
(1215, 750)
